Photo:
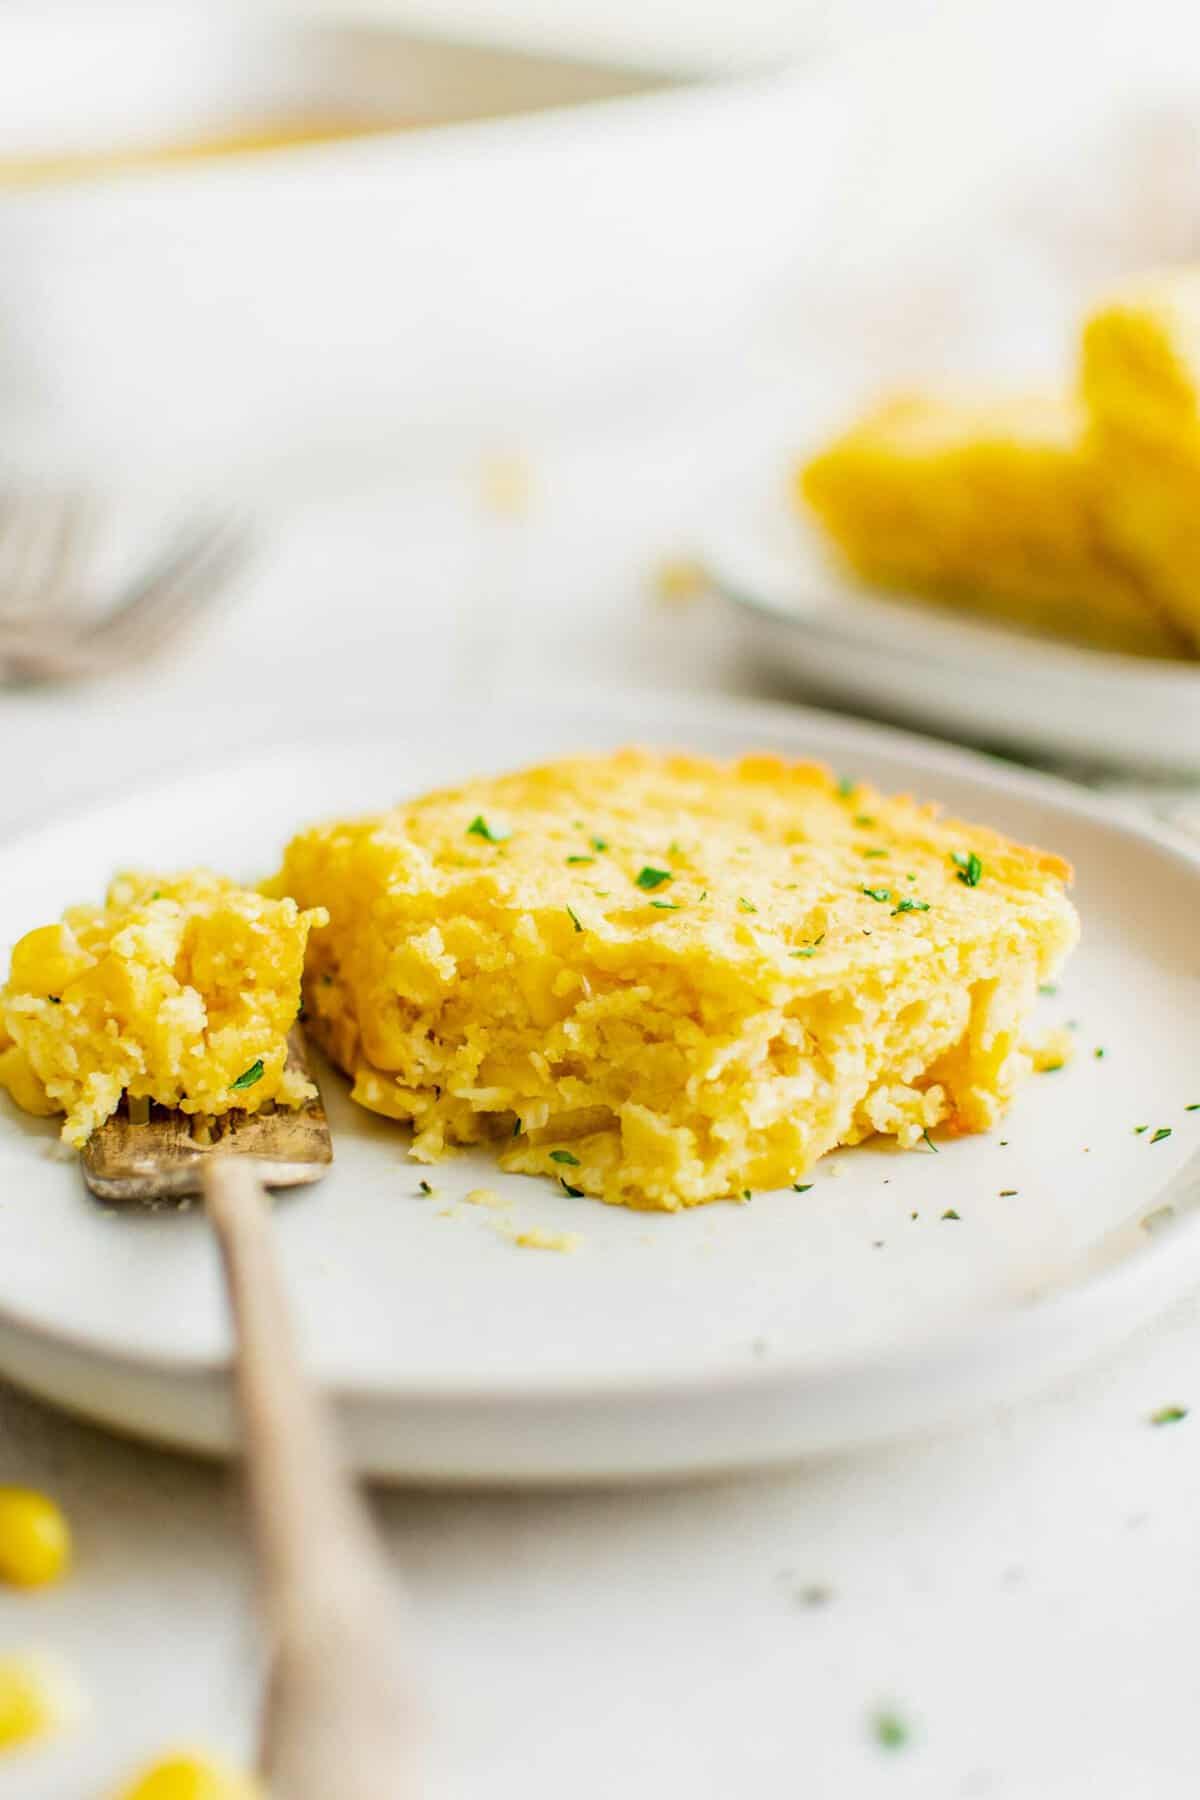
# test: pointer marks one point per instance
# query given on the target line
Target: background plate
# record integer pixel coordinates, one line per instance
(723, 1337)
(960, 677)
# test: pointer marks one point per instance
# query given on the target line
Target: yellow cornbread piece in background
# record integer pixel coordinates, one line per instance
(665, 980)
(179, 988)
(1140, 383)
(988, 505)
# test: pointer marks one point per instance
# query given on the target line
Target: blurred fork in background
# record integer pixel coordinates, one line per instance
(53, 624)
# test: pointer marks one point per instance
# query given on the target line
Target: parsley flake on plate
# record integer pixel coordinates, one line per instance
(649, 879)
(970, 869)
(480, 828)
(910, 906)
(802, 1187)
(248, 1077)
(575, 1193)
(666, 905)
(1164, 1131)
(890, 1731)
(745, 905)
(574, 918)
(950, 1213)
(881, 894)
(564, 1156)
(581, 859)
(1168, 1415)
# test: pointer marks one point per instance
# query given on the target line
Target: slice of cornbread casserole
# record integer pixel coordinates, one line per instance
(663, 980)
(179, 989)
(989, 505)
(1140, 383)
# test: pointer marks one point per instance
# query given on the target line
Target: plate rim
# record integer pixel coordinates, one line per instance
(891, 620)
(1134, 1278)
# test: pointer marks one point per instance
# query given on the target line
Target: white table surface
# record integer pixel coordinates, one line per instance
(1022, 1593)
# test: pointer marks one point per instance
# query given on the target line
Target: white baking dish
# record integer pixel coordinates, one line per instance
(397, 297)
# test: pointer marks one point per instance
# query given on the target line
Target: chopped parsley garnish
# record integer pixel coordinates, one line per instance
(1047, 987)
(970, 869)
(911, 906)
(564, 1156)
(809, 950)
(666, 905)
(1164, 1131)
(746, 1194)
(575, 1193)
(1168, 1415)
(881, 894)
(649, 878)
(599, 844)
(950, 1214)
(865, 821)
(929, 1141)
(480, 828)
(1194, 1107)
(425, 1187)
(1052, 1068)
(248, 1077)
(1098, 1053)
(890, 1732)
(745, 906)
(574, 918)
(874, 852)
(846, 786)
(1008, 1193)
(581, 859)
(518, 1128)
(1138, 1130)
(157, 894)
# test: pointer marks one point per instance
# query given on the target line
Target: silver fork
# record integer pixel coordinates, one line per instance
(48, 633)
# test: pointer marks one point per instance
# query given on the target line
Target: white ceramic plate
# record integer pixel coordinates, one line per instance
(962, 678)
(724, 1337)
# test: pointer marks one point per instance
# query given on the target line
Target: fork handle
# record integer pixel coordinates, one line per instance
(340, 1716)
